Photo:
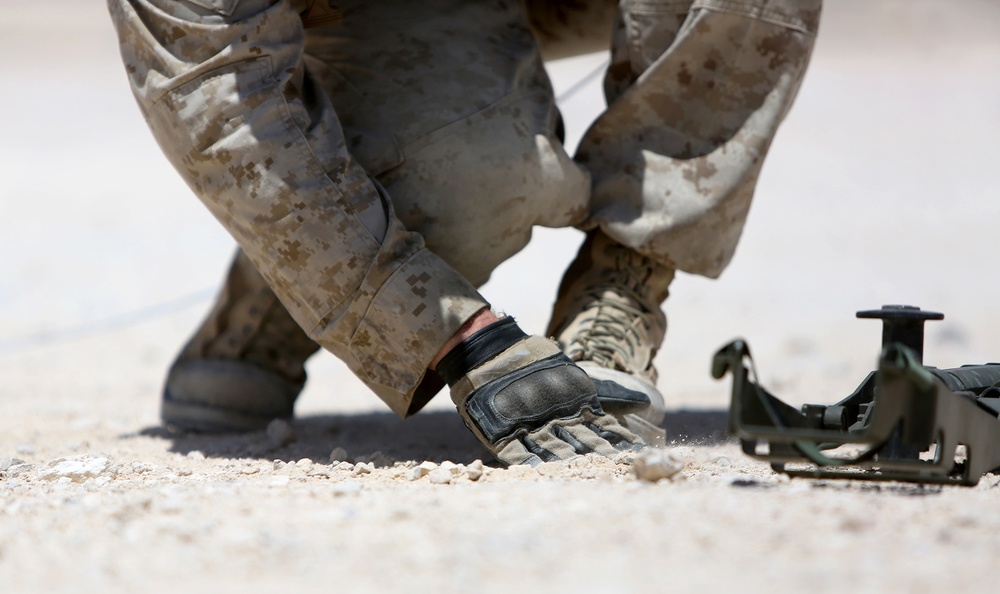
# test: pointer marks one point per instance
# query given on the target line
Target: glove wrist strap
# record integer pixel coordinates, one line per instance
(479, 348)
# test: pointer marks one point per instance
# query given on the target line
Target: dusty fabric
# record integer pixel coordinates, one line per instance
(376, 160)
(695, 92)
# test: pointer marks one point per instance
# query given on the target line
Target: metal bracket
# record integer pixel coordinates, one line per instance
(905, 422)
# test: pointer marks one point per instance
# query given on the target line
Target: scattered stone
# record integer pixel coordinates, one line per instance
(75, 468)
(421, 470)
(250, 469)
(196, 455)
(454, 469)
(305, 465)
(440, 476)
(364, 468)
(599, 461)
(6, 463)
(654, 464)
(344, 466)
(17, 470)
(475, 470)
(142, 467)
(278, 464)
(320, 470)
(339, 454)
(280, 433)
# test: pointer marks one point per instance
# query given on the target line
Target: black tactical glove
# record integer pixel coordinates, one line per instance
(526, 401)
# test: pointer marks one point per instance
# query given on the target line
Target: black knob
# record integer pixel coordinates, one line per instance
(903, 324)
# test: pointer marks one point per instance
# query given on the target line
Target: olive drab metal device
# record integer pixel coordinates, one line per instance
(905, 422)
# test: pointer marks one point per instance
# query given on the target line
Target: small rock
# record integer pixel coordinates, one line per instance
(422, 469)
(75, 468)
(6, 463)
(654, 464)
(20, 469)
(339, 455)
(278, 464)
(475, 470)
(250, 469)
(142, 467)
(344, 466)
(305, 465)
(440, 476)
(364, 468)
(280, 433)
(451, 467)
(320, 471)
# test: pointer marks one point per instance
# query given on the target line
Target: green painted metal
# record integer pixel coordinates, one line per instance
(905, 422)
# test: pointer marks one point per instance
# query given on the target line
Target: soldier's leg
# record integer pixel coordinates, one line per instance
(696, 91)
(462, 135)
(224, 90)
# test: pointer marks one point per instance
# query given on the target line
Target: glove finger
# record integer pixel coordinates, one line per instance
(608, 428)
(514, 452)
(587, 439)
(547, 438)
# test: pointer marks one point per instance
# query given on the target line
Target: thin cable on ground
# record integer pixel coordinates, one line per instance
(106, 325)
(152, 312)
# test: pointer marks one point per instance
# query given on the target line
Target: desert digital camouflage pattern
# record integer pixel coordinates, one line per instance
(375, 161)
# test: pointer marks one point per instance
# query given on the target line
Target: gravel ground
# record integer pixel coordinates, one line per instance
(881, 188)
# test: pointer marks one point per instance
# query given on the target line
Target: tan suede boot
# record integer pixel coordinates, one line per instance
(607, 318)
(244, 367)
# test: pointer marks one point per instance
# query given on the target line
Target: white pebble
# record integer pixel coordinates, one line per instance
(75, 468)
(440, 476)
(655, 464)
(451, 467)
(475, 470)
(364, 468)
(6, 463)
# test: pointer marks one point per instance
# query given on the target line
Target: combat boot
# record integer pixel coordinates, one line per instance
(245, 365)
(607, 318)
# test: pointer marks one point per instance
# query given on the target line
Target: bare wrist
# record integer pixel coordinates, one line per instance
(477, 322)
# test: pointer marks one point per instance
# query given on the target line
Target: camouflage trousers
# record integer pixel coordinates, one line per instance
(376, 160)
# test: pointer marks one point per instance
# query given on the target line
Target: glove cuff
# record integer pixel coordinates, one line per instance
(479, 348)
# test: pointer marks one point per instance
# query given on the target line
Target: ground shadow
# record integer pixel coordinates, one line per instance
(385, 438)
(697, 426)
(435, 436)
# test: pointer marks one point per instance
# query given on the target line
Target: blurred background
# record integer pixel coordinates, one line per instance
(881, 187)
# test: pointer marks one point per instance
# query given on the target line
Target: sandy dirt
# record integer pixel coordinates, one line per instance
(880, 188)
